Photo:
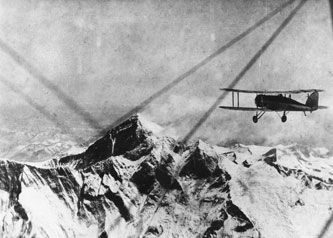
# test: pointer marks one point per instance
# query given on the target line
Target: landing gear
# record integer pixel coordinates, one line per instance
(256, 117)
(284, 117)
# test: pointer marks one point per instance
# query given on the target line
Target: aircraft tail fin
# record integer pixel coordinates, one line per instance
(312, 100)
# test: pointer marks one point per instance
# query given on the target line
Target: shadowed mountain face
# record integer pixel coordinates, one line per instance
(133, 182)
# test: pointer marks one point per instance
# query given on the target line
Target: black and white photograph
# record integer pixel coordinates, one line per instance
(166, 119)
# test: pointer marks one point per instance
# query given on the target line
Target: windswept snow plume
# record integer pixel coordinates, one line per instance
(135, 183)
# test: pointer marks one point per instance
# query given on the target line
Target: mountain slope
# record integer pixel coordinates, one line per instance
(135, 183)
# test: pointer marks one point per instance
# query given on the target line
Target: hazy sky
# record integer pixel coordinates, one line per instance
(108, 56)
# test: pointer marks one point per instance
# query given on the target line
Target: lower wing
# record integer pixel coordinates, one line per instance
(244, 108)
(295, 109)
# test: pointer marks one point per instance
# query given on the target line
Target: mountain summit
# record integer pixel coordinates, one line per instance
(134, 182)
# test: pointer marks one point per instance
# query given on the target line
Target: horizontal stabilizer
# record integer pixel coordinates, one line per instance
(271, 92)
(323, 107)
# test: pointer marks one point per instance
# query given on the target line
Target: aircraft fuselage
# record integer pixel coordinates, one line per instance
(280, 103)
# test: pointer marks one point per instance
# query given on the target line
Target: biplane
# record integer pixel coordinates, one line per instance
(276, 101)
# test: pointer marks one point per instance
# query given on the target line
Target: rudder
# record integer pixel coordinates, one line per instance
(312, 100)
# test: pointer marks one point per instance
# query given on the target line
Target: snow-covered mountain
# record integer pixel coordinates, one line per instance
(135, 182)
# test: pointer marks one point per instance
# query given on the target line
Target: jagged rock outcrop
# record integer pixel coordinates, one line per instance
(134, 183)
(200, 163)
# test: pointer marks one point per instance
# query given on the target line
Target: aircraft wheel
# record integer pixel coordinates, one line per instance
(255, 119)
(284, 118)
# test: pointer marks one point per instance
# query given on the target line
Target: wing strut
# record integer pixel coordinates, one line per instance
(238, 99)
(233, 98)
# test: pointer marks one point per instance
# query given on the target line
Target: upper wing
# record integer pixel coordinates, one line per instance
(271, 92)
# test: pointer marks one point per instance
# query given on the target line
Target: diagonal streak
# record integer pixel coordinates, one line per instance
(331, 11)
(202, 63)
(48, 115)
(244, 70)
(188, 73)
(61, 95)
(325, 228)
